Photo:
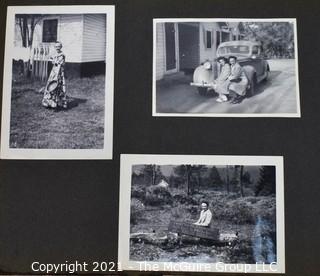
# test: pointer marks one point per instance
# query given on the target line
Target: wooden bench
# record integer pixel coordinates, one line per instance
(184, 228)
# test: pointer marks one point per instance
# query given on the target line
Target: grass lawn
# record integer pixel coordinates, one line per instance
(81, 126)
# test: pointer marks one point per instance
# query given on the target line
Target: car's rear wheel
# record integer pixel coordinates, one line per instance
(253, 85)
(267, 74)
(202, 91)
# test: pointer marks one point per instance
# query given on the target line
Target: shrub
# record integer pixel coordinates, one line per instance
(184, 199)
(138, 192)
(184, 213)
(156, 196)
(136, 209)
(244, 210)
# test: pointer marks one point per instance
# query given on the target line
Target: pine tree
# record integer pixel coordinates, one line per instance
(215, 177)
(267, 181)
(228, 179)
(185, 171)
(197, 172)
(241, 181)
(152, 174)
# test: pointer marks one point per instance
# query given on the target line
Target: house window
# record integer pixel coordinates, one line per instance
(50, 30)
(217, 39)
(209, 39)
(225, 36)
(255, 50)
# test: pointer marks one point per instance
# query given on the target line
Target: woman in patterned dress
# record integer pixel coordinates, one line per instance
(55, 90)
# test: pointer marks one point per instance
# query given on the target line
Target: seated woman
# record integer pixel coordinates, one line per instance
(238, 81)
(221, 83)
(205, 215)
(55, 90)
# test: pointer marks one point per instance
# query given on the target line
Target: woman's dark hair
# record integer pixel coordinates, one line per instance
(235, 58)
(222, 58)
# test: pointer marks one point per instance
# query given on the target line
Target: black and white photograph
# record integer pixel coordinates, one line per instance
(201, 213)
(58, 83)
(225, 68)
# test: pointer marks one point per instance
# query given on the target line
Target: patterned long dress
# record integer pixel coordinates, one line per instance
(57, 97)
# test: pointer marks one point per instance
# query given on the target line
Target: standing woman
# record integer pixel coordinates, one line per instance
(55, 90)
(221, 83)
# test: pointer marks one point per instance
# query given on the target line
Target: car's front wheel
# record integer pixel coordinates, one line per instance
(202, 91)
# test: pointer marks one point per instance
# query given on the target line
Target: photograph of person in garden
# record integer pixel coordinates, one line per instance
(58, 87)
(203, 213)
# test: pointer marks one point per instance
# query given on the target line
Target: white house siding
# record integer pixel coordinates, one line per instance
(208, 54)
(69, 33)
(70, 29)
(94, 37)
(160, 51)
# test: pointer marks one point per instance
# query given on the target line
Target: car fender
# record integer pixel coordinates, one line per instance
(203, 75)
(250, 72)
(267, 66)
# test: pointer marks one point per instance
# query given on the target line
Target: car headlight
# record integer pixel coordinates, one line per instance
(207, 65)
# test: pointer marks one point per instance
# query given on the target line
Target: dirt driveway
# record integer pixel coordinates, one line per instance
(277, 95)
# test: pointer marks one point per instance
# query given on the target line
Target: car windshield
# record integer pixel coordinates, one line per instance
(237, 49)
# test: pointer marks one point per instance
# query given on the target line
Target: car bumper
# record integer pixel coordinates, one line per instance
(199, 84)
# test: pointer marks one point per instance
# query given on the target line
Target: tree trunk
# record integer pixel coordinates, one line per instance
(228, 179)
(199, 180)
(240, 181)
(153, 174)
(188, 168)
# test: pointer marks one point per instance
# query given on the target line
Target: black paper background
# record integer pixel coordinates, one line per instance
(53, 211)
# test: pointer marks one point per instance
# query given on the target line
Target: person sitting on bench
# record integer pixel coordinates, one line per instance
(205, 215)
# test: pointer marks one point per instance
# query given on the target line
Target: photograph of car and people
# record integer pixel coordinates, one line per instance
(213, 68)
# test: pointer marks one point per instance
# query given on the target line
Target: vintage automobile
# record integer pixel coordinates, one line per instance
(250, 56)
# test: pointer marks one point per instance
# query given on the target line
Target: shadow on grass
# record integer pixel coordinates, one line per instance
(74, 102)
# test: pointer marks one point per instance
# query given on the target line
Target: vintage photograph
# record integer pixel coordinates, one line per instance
(209, 210)
(58, 82)
(225, 68)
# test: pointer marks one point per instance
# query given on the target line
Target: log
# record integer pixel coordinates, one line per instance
(151, 238)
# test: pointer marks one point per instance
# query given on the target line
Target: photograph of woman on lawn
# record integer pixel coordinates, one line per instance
(55, 90)
(58, 83)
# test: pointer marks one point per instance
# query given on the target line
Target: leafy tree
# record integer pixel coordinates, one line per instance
(267, 181)
(27, 24)
(152, 174)
(277, 38)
